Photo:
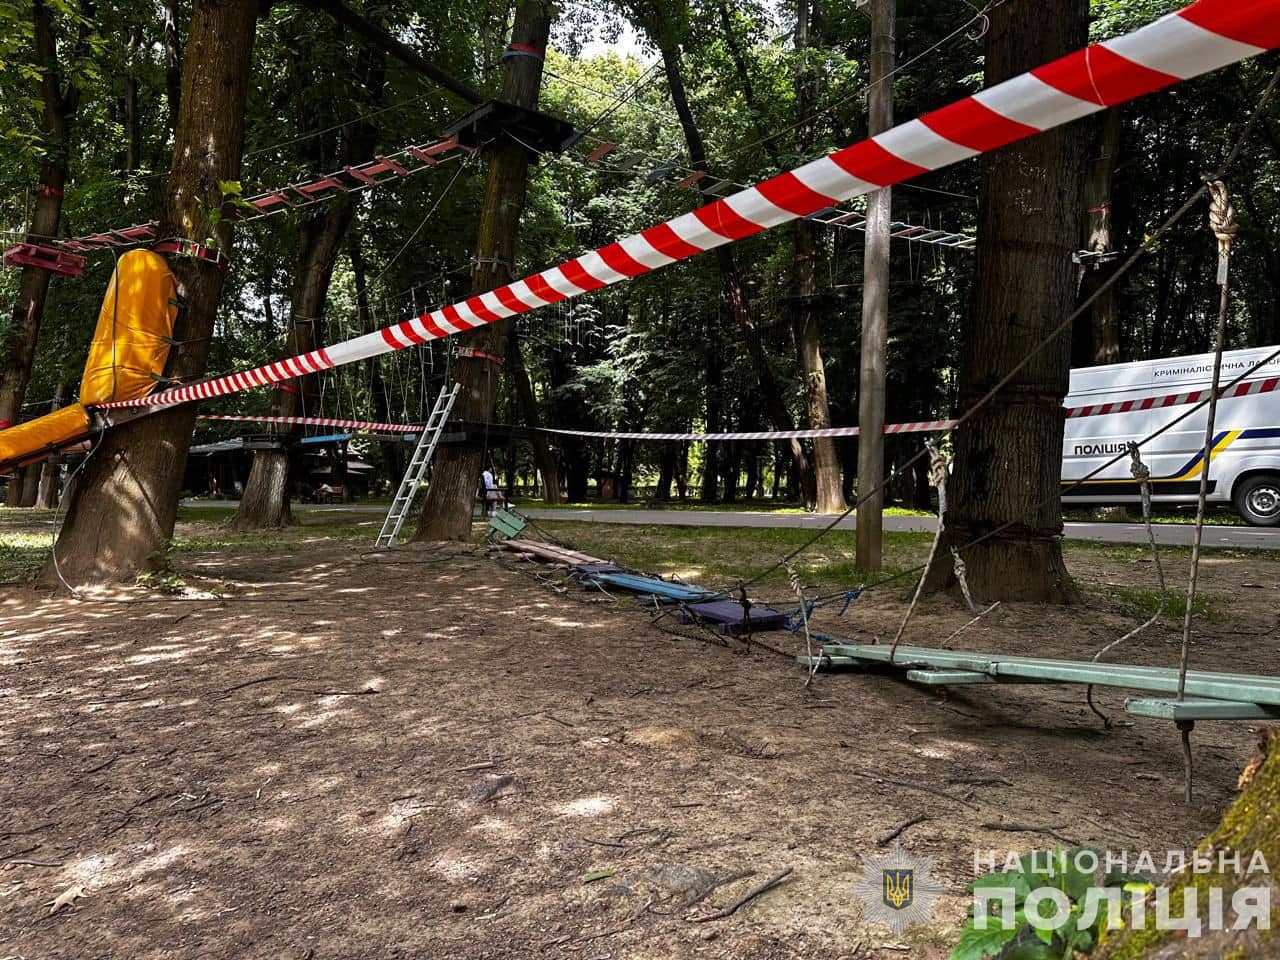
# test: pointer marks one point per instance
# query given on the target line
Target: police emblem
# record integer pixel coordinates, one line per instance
(897, 889)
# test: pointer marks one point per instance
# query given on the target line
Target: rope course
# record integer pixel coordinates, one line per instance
(1202, 37)
(350, 179)
(316, 422)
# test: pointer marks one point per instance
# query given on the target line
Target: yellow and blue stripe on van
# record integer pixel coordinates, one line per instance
(1184, 480)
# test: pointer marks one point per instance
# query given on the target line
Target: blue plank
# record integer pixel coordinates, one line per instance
(677, 592)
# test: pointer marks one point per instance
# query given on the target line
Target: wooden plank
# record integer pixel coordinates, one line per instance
(664, 589)
(1163, 709)
(549, 552)
(957, 678)
(1200, 683)
(948, 678)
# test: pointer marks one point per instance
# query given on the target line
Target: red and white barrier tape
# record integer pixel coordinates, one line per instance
(1245, 389)
(1202, 37)
(317, 422)
(1248, 388)
(928, 426)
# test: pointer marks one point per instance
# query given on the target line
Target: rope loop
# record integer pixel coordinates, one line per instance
(1222, 216)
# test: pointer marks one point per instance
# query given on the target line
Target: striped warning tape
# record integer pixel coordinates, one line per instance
(1245, 389)
(1202, 37)
(927, 426)
(317, 422)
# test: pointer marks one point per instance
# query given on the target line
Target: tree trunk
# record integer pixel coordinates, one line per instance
(172, 62)
(57, 108)
(806, 322)
(51, 472)
(1098, 331)
(773, 401)
(393, 450)
(123, 509)
(1008, 458)
(265, 504)
(714, 388)
(132, 119)
(533, 420)
(446, 515)
(875, 305)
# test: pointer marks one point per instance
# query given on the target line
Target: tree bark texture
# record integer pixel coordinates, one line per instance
(1008, 458)
(807, 321)
(446, 514)
(873, 371)
(519, 374)
(122, 511)
(1098, 330)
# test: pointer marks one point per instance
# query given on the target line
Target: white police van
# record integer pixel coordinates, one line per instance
(1111, 405)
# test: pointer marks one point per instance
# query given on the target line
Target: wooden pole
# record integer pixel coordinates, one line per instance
(875, 302)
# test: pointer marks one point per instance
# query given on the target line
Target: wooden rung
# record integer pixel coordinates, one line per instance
(1164, 709)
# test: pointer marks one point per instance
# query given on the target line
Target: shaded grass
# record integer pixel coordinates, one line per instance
(1142, 603)
(720, 557)
(742, 506)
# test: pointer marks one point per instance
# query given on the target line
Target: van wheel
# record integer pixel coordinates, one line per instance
(1257, 499)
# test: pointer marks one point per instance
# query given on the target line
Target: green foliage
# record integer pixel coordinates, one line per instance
(1018, 938)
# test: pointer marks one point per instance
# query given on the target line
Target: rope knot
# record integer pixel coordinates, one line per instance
(1140, 471)
(1222, 216)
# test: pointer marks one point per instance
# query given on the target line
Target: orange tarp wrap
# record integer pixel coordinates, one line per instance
(131, 343)
(36, 439)
(129, 350)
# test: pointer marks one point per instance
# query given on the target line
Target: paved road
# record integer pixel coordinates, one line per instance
(1167, 534)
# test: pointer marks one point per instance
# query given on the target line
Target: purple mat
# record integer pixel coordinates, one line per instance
(725, 617)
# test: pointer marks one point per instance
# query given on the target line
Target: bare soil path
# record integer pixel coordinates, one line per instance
(431, 755)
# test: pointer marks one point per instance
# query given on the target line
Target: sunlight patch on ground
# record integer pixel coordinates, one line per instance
(458, 869)
(494, 825)
(596, 806)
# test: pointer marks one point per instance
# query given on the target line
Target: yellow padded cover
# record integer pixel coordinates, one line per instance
(130, 348)
(36, 439)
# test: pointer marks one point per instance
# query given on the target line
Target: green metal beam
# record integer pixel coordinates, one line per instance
(947, 678)
(1217, 686)
(959, 678)
(1199, 710)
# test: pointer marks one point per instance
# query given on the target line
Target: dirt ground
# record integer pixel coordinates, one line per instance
(432, 755)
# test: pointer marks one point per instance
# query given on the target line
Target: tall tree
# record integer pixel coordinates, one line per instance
(446, 514)
(807, 321)
(1008, 458)
(873, 370)
(125, 503)
(542, 457)
(59, 99)
(664, 26)
(265, 503)
(1097, 333)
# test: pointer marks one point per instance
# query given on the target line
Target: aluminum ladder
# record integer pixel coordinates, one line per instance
(422, 454)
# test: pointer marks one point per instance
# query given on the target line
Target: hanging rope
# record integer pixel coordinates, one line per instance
(1222, 221)
(938, 469)
(1142, 473)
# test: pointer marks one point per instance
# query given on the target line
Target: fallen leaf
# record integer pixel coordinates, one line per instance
(66, 898)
